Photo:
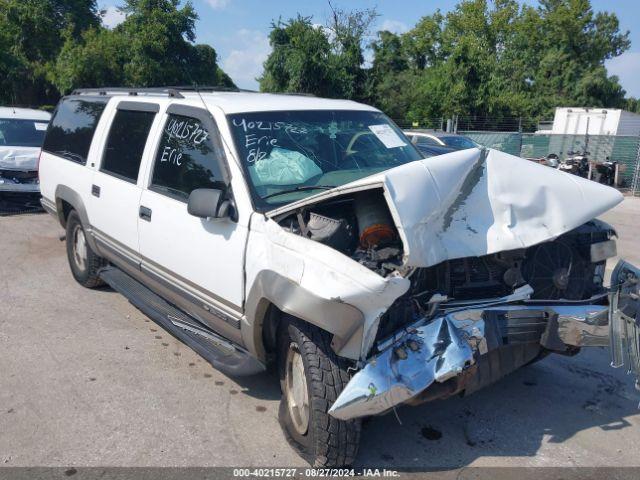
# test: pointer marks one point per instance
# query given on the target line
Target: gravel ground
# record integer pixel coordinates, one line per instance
(87, 380)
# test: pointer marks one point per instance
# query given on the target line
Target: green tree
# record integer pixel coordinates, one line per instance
(500, 59)
(300, 60)
(349, 29)
(153, 46)
(326, 61)
(31, 37)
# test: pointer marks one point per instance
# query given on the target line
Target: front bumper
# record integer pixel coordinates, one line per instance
(462, 349)
(20, 187)
(18, 181)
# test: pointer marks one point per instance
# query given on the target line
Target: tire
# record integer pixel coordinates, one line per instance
(326, 441)
(83, 261)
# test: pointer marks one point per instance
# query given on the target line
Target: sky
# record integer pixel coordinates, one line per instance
(238, 29)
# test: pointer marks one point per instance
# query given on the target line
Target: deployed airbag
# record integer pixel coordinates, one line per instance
(283, 167)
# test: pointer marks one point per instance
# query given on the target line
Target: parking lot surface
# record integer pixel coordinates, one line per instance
(88, 380)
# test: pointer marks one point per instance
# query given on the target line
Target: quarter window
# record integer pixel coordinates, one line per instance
(186, 159)
(72, 126)
(125, 144)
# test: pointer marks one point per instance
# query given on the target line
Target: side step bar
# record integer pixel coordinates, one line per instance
(222, 354)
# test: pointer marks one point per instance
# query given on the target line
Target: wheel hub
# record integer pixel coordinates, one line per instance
(79, 248)
(296, 390)
(561, 278)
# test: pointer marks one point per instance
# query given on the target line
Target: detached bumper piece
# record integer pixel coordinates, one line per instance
(624, 319)
(466, 349)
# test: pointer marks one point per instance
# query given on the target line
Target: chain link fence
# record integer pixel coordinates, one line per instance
(625, 150)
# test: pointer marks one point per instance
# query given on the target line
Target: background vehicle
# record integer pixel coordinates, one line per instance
(576, 163)
(605, 172)
(308, 234)
(550, 160)
(451, 141)
(21, 134)
(428, 150)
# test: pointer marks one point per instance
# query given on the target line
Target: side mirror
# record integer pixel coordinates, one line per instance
(210, 203)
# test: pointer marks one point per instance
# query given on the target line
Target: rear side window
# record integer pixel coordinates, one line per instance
(125, 144)
(72, 126)
(186, 159)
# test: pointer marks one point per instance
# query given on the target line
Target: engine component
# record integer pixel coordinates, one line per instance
(336, 233)
(557, 270)
(374, 223)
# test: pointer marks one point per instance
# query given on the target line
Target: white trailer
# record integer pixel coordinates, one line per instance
(595, 121)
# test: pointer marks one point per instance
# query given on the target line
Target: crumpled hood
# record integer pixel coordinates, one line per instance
(477, 202)
(19, 158)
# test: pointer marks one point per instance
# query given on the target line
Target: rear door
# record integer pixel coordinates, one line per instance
(195, 263)
(116, 186)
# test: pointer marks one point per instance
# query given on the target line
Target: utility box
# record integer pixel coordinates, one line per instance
(595, 121)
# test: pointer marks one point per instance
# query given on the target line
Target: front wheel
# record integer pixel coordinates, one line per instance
(312, 376)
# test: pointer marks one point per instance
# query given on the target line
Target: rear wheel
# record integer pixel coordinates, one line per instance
(312, 376)
(83, 261)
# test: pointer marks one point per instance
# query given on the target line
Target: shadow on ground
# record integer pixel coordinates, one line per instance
(19, 204)
(548, 402)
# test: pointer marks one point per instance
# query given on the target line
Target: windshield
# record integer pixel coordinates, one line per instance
(22, 133)
(290, 155)
(458, 142)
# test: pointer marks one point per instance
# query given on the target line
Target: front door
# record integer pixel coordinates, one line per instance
(196, 263)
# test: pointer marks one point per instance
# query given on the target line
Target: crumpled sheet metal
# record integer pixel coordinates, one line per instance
(477, 202)
(19, 158)
(444, 348)
(435, 353)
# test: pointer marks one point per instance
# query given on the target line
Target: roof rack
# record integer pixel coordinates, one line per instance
(171, 91)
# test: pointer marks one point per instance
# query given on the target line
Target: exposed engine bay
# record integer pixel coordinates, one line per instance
(570, 267)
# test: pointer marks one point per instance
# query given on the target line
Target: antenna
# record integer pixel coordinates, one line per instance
(197, 90)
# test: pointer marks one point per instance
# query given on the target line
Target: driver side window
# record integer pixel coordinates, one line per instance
(186, 159)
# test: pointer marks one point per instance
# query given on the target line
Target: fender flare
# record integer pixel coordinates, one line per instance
(64, 193)
(270, 287)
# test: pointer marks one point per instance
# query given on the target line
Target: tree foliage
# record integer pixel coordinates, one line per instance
(30, 38)
(482, 59)
(50, 47)
(323, 60)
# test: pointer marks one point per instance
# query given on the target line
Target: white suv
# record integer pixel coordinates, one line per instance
(307, 233)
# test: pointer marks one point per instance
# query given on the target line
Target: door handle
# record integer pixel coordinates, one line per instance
(145, 213)
(95, 190)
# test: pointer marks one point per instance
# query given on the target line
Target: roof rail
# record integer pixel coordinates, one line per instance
(171, 91)
(298, 94)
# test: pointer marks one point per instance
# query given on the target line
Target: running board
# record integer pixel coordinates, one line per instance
(219, 352)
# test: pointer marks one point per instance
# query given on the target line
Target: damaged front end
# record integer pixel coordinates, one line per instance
(501, 270)
(18, 170)
(462, 350)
